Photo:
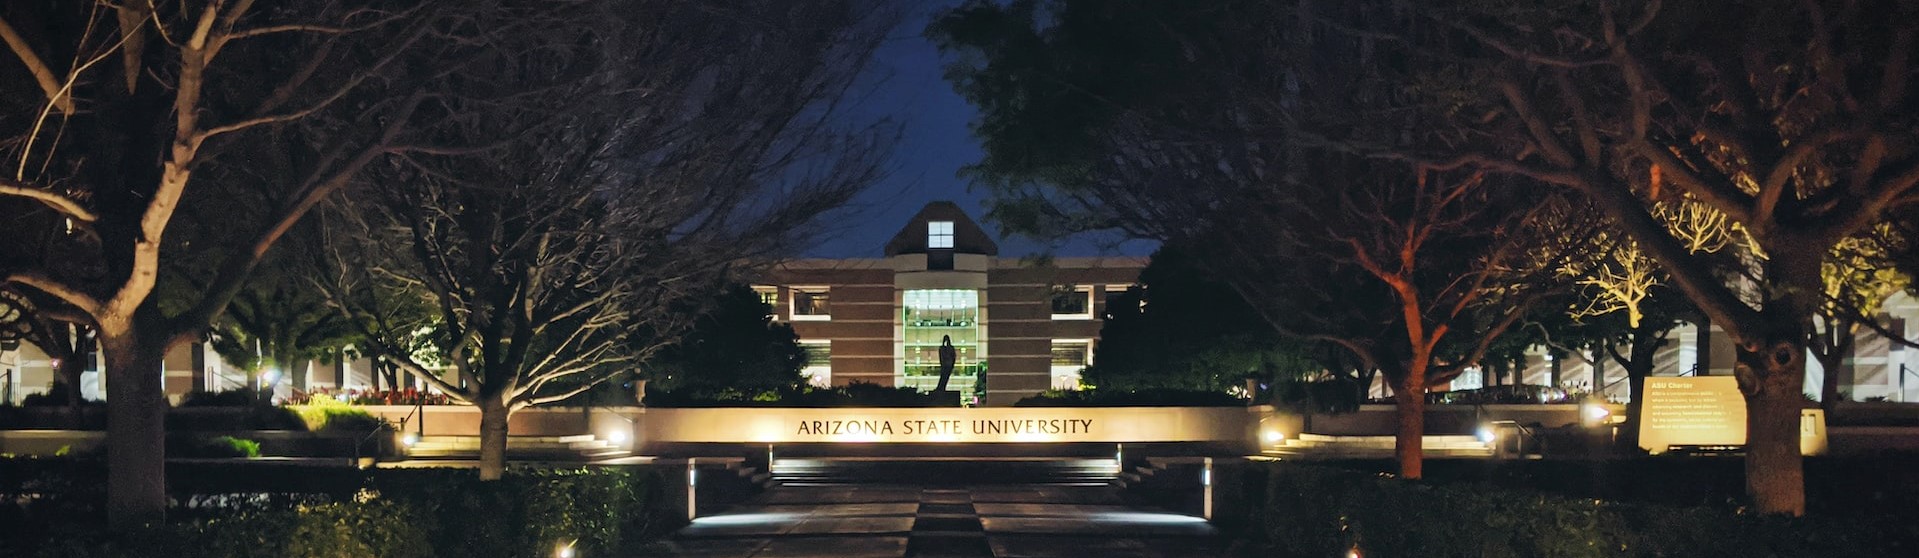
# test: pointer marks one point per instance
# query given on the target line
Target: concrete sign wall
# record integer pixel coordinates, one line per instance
(948, 425)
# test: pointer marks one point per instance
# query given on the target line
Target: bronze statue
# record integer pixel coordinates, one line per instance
(948, 355)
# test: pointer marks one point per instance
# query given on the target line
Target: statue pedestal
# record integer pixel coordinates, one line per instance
(947, 397)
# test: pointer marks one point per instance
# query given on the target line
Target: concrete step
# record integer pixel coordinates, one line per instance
(1429, 439)
(841, 470)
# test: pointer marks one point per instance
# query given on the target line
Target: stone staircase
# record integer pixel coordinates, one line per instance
(581, 448)
(943, 470)
(1320, 446)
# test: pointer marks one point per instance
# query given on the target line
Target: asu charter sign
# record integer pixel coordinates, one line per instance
(948, 425)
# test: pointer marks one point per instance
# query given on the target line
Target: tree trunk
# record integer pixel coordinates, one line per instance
(71, 368)
(1638, 365)
(1771, 367)
(493, 424)
(1771, 380)
(1409, 437)
(136, 428)
(1831, 350)
(300, 374)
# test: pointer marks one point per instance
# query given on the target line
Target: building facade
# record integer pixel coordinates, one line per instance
(1017, 327)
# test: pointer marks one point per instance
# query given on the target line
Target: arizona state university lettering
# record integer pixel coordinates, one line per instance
(1033, 426)
(837, 427)
(944, 427)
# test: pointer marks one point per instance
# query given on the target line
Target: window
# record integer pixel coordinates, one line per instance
(930, 317)
(819, 362)
(939, 234)
(770, 296)
(1070, 357)
(1071, 353)
(1072, 302)
(1116, 295)
(810, 303)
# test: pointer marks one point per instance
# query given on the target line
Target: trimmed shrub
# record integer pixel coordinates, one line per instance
(854, 394)
(227, 446)
(341, 530)
(603, 512)
(325, 415)
(1317, 511)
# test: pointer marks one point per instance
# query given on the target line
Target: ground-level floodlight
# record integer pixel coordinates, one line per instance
(566, 550)
(1595, 414)
(409, 439)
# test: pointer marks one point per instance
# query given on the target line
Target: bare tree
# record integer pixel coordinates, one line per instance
(1456, 263)
(141, 107)
(670, 147)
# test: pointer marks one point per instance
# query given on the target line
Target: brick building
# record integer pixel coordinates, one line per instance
(1018, 327)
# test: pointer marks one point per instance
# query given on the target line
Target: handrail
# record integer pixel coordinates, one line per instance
(1690, 372)
(419, 410)
(1904, 371)
(6, 387)
(369, 436)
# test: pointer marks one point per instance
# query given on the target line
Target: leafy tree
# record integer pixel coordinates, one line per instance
(1793, 120)
(63, 334)
(1857, 278)
(279, 322)
(1186, 140)
(735, 344)
(1182, 329)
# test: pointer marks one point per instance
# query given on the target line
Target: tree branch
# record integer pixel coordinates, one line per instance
(63, 204)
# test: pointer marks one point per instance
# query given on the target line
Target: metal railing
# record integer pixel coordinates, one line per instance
(1904, 372)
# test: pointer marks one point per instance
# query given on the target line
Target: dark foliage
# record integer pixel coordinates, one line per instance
(855, 394)
(1184, 330)
(734, 345)
(249, 512)
(1318, 511)
(1132, 398)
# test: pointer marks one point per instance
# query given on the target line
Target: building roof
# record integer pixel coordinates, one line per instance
(968, 237)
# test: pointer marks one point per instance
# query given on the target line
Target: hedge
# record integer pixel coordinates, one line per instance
(855, 394)
(1155, 397)
(394, 513)
(1318, 511)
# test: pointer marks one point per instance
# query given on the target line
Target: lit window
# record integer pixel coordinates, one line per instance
(939, 234)
(1072, 302)
(809, 303)
(1070, 358)
(819, 362)
(770, 296)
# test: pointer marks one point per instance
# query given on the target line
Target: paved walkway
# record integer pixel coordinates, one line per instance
(1005, 521)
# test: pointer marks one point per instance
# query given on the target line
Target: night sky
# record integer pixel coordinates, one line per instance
(904, 83)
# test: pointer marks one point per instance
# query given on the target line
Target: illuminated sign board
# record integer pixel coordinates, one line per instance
(1708, 411)
(966, 425)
